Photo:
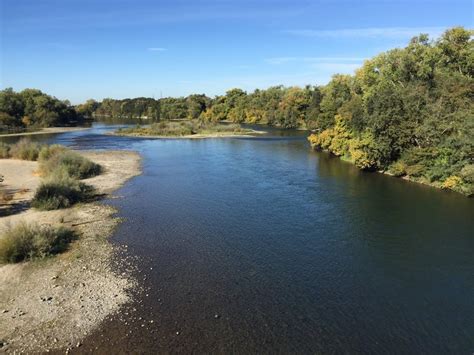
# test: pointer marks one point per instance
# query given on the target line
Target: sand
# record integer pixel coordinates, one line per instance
(54, 303)
(49, 130)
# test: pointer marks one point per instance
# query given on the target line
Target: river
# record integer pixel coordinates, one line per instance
(264, 246)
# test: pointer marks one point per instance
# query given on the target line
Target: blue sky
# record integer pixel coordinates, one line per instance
(80, 49)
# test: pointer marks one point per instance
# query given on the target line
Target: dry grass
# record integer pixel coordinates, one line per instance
(31, 241)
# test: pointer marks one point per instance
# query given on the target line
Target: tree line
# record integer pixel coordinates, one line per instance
(32, 108)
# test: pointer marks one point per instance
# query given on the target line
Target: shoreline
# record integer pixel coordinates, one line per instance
(53, 303)
(48, 130)
(388, 174)
(252, 134)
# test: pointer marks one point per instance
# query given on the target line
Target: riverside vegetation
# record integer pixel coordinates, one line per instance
(61, 169)
(408, 112)
(184, 128)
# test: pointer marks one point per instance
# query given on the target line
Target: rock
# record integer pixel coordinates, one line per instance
(216, 316)
(5, 311)
(177, 333)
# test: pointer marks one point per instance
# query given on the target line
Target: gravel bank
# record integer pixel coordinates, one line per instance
(54, 303)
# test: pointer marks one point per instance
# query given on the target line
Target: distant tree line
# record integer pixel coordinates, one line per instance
(143, 108)
(32, 108)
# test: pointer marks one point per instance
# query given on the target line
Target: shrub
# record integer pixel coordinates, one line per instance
(61, 162)
(467, 173)
(452, 182)
(25, 149)
(61, 192)
(415, 170)
(29, 241)
(48, 151)
(398, 168)
(362, 152)
(4, 151)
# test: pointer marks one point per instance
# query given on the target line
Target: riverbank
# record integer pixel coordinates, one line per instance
(252, 134)
(48, 130)
(54, 303)
(455, 183)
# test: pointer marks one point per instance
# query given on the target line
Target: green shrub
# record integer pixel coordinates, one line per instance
(4, 151)
(398, 168)
(48, 151)
(183, 128)
(61, 162)
(415, 170)
(25, 149)
(61, 192)
(29, 241)
(467, 173)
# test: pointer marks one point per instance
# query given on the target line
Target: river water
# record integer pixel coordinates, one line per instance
(264, 246)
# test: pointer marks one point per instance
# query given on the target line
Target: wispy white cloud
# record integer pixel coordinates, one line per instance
(157, 49)
(284, 60)
(374, 32)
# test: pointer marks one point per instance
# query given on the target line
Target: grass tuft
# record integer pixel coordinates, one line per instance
(31, 241)
(57, 161)
(61, 192)
(25, 149)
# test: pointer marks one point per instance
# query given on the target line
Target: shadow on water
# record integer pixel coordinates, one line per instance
(263, 246)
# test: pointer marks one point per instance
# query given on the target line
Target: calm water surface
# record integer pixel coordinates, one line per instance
(263, 246)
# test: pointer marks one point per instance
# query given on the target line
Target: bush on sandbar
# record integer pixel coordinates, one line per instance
(57, 160)
(61, 192)
(25, 149)
(30, 241)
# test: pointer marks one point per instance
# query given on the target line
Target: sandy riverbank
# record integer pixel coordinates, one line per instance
(54, 303)
(49, 130)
